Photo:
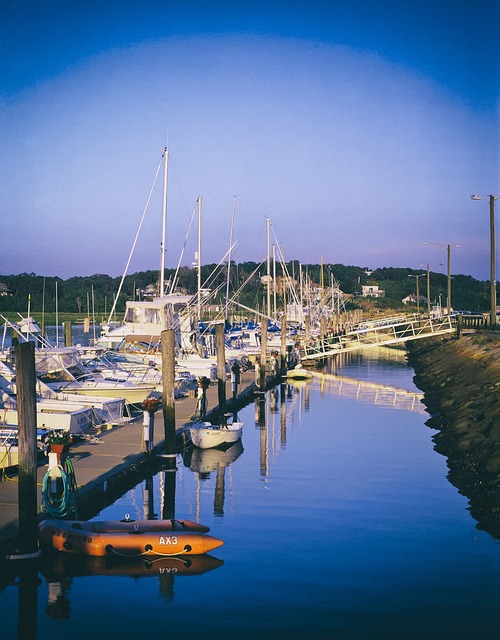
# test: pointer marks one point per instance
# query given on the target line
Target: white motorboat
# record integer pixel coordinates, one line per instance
(63, 370)
(207, 436)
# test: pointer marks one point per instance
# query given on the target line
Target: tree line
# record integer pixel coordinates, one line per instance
(86, 295)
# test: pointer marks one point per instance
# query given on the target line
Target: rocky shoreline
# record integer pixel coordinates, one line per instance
(460, 379)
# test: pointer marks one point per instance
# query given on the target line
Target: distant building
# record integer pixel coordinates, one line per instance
(412, 299)
(372, 291)
(4, 290)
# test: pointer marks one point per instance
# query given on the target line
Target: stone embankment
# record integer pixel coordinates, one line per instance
(460, 378)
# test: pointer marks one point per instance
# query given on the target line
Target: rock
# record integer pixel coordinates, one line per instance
(460, 380)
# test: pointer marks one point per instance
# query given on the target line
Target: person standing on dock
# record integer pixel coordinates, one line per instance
(257, 372)
(204, 383)
(273, 363)
(235, 377)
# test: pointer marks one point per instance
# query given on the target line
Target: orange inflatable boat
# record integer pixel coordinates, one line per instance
(79, 538)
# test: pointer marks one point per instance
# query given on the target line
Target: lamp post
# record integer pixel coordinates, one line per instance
(428, 290)
(418, 294)
(493, 286)
(448, 248)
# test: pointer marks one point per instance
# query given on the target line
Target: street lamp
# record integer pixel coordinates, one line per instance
(428, 289)
(448, 248)
(418, 294)
(493, 289)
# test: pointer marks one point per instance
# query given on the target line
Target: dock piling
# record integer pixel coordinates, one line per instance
(26, 406)
(168, 381)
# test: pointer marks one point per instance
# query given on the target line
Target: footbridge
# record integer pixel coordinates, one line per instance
(385, 331)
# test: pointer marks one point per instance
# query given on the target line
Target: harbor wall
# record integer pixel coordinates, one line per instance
(460, 379)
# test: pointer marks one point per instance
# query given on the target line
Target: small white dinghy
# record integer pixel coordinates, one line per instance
(299, 373)
(207, 436)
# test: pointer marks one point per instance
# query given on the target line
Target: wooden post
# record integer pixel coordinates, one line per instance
(283, 345)
(26, 407)
(221, 367)
(263, 354)
(307, 321)
(86, 331)
(322, 330)
(68, 338)
(168, 380)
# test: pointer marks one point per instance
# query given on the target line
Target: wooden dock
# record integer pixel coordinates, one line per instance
(112, 462)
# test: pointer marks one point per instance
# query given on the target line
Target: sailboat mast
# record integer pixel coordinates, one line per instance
(164, 223)
(229, 257)
(268, 233)
(274, 281)
(198, 255)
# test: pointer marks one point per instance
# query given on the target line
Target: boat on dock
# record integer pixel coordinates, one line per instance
(206, 435)
(145, 540)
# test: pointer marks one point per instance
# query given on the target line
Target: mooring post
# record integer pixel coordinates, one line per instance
(221, 367)
(322, 331)
(68, 338)
(263, 354)
(307, 321)
(168, 398)
(27, 465)
(86, 331)
(168, 381)
(283, 344)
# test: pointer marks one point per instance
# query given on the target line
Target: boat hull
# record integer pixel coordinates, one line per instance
(299, 373)
(207, 436)
(61, 536)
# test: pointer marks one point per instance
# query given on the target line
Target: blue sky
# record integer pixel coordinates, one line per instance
(359, 128)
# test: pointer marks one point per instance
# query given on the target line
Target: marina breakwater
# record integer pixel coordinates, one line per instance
(460, 378)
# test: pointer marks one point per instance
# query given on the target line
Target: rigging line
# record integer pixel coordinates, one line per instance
(174, 281)
(218, 269)
(285, 269)
(135, 241)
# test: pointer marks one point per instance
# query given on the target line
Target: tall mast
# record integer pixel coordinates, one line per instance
(274, 281)
(198, 256)
(268, 230)
(164, 223)
(229, 257)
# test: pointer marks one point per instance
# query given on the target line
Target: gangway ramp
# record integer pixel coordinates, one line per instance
(379, 333)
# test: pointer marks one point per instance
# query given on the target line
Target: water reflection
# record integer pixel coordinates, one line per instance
(206, 461)
(390, 534)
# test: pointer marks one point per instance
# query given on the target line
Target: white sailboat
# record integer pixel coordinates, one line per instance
(206, 435)
(144, 321)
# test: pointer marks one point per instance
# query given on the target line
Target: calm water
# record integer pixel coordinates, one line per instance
(337, 519)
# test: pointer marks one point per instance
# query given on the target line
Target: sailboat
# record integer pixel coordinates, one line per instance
(145, 320)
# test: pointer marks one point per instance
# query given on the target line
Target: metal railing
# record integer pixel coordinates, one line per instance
(400, 330)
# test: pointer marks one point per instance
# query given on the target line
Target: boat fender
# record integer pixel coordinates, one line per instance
(187, 548)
